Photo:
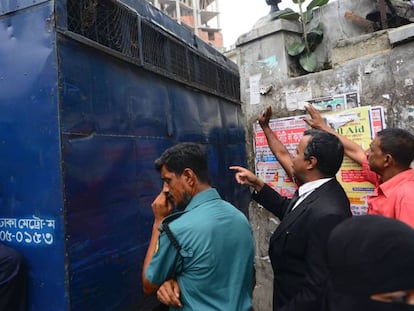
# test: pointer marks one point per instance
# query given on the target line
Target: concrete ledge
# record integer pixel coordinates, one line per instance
(360, 46)
(402, 33)
(265, 27)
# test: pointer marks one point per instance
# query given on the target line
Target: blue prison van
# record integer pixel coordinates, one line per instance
(91, 93)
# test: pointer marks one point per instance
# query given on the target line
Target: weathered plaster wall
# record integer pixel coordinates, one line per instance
(380, 66)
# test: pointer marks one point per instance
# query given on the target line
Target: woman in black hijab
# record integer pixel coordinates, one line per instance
(371, 261)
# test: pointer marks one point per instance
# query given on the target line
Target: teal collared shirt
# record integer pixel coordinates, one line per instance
(215, 266)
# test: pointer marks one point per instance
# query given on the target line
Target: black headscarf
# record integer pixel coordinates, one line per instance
(371, 255)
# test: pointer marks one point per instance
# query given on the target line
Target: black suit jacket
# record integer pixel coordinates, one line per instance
(297, 247)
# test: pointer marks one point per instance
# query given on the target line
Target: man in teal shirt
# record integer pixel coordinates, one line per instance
(202, 257)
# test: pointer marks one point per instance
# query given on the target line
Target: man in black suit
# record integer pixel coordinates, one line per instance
(298, 246)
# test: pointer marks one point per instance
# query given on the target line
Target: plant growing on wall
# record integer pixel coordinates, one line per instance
(304, 49)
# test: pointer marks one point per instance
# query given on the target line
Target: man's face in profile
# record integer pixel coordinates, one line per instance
(176, 188)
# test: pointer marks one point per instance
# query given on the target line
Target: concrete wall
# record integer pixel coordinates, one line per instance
(379, 66)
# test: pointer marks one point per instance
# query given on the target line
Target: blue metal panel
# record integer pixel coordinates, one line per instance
(229, 150)
(115, 124)
(148, 11)
(221, 156)
(8, 6)
(233, 122)
(109, 97)
(110, 184)
(116, 120)
(30, 184)
(196, 116)
(92, 141)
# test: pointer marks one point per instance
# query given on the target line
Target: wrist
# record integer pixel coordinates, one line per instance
(156, 224)
(258, 186)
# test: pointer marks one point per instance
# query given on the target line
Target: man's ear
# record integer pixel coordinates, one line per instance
(388, 160)
(189, 176)
(312, 162)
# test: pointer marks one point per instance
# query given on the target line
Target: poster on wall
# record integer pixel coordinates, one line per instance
(358, 124)
(298, 99)
(378, 120)
(336, 102)
(254, 84)
(289, 131)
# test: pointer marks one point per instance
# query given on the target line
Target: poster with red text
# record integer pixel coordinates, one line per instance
(289, 131)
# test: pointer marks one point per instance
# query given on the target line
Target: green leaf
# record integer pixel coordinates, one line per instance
(316, 3)
(296, 48)
(307, 16)
(298, 1)
(292, 16)
(314, 37)
(309, 62)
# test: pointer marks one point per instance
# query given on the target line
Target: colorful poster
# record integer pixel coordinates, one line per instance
(289, 131)
(337, 102)
(359, 129)
(377, 119)
(358, 124)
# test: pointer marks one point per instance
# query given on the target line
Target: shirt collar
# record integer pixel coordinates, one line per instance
(202, 197)
(387, 187)
(312, 185)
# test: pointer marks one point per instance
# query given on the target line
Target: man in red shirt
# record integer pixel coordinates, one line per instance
(386, 164)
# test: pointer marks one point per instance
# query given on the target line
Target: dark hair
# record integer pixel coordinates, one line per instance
(399, 143)
(182, 156)
(327, 149)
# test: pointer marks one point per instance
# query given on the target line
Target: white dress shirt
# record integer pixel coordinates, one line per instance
(308, 188)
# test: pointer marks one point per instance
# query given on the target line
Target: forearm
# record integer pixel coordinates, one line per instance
(279, 150)
(351, 149)
(150, 288)
(271, 200)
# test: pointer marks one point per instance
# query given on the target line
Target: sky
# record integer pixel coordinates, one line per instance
(238, 17)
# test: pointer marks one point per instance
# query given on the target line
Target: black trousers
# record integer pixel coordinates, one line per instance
(13, 279)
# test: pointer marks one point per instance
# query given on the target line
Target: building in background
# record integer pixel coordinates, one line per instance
(201, 16)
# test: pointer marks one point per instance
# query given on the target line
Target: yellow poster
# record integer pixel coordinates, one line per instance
(357, 125)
